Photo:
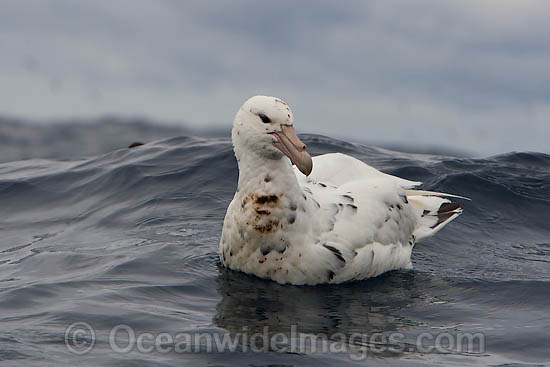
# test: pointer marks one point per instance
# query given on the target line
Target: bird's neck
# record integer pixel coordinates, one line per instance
(266, 176)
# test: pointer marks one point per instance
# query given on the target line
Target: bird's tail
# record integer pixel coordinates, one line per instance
(434, 209)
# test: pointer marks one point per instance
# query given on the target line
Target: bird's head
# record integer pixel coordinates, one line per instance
(264, 125)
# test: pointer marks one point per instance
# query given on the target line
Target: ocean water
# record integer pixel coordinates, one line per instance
(129, 237)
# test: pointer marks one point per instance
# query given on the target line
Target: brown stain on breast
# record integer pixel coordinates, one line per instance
(261, 205)
(268, 226)
(245, 201)
(267, 199)
(260, 200)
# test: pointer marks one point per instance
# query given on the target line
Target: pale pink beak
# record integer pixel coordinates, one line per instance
(288, 143)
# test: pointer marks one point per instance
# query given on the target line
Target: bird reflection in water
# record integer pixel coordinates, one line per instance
(373, 306)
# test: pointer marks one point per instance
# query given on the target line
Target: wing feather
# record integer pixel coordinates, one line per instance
(337, 169)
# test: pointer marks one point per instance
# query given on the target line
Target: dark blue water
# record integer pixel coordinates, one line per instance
(130, 237)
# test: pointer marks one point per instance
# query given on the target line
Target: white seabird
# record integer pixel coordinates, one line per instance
(328, 219)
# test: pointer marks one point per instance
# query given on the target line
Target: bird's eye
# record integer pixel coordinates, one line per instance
(264, 118)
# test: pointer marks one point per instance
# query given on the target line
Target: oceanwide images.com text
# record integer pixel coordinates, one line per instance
(81, 338)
